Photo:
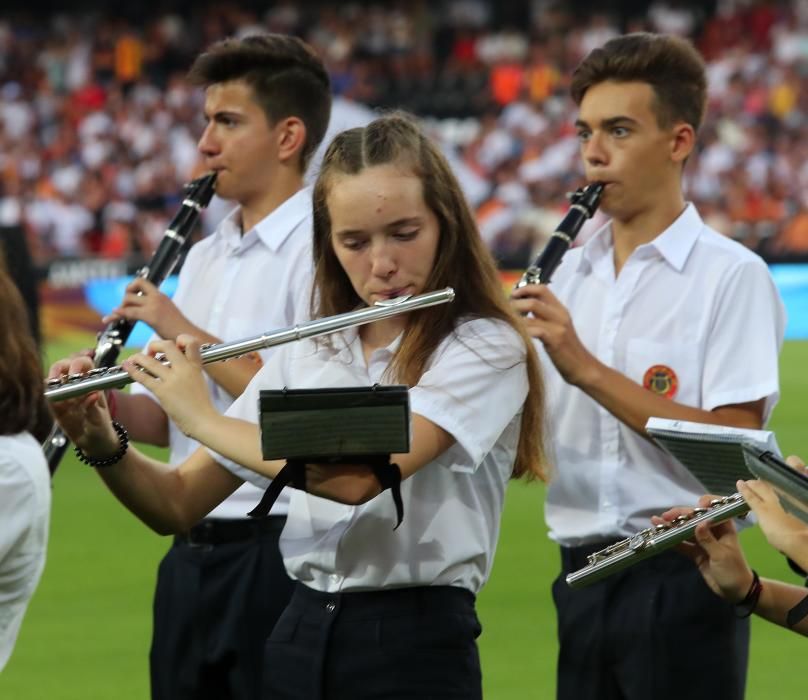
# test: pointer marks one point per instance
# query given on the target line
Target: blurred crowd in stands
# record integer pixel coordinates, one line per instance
(98, 128)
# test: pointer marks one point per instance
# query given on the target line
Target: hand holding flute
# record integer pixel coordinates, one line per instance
(716, 551)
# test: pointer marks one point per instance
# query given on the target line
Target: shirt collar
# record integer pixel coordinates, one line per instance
(673, 244)
(676, 241)
(274, 228)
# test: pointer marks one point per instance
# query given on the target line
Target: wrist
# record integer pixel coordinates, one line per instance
(589, 376)
(741, 587)
(105, 456)
(199, 423)
(746, 606)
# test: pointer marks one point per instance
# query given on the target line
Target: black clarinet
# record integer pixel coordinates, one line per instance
(583, 204)
(110, 340)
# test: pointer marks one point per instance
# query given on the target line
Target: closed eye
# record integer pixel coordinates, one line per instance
(353, 243)
(406, 235)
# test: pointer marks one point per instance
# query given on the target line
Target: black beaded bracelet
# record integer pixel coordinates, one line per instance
(123, 441)
(746, 607)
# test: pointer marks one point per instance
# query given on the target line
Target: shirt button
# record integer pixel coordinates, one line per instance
(335, 578)
(331, 606)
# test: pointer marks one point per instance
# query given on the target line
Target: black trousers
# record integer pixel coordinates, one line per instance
(220, 591)
(654, 630)
(400, 644)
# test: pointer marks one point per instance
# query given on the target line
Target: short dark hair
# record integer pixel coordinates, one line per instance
(286, 75)
(669, 64)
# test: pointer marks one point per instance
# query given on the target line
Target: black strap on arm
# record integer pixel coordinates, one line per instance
(293, 473)
(797, 613)
(796, 568)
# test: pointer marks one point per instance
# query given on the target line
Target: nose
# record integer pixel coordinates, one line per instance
(594, 150)
(383, 260)
(208, 145)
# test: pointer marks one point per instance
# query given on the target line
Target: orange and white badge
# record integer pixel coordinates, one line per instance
(662, 380)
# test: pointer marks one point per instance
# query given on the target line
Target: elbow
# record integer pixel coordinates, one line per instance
(348, 494)
(359, 494)
(169, 526)
(163, 530)
(174, 523)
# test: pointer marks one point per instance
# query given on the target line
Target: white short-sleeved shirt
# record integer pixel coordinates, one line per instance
(25, 499)
(693, 314)
(474, 388)
(236, 287)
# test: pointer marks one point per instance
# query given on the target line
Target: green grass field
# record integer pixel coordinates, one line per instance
(87, 631)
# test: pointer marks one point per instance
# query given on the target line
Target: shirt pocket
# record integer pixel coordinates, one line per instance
(669, 370)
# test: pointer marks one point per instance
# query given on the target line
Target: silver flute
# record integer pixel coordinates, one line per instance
(102, 378)
(653, 540)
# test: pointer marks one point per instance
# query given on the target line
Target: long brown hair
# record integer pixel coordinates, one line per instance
(462, 262)
(22, 399)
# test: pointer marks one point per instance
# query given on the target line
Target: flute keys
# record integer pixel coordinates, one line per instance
(637, 541)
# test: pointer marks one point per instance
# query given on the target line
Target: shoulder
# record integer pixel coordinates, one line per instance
(720, 250)
(487, 338)
(23, 468)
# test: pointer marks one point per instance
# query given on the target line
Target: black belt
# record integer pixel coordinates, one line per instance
(220, 531)
(404, 601)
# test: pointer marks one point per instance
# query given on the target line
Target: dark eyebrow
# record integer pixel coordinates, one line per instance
(222, 114)
(406, 221)
(607, 123)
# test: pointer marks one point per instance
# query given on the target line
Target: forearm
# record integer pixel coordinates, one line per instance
(794, 545)
(152, 491)
(237, 440)
(142, 416)
(633, 405)
(776, 599)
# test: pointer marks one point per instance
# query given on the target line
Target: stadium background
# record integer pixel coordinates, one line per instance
(97, 134)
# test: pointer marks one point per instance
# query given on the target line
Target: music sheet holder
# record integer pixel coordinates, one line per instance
(350, 425)
(791, 485)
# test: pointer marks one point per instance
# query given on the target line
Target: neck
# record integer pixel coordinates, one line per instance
(643, 227)
(258, 207)
(381, 333)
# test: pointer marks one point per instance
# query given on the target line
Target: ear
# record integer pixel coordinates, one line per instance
(291, 138)
(683, 140)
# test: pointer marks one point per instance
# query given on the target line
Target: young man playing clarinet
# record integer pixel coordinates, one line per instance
(222, 585)
(656, 315)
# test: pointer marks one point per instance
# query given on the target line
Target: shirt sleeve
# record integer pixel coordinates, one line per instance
(741, 362)
(473, 388)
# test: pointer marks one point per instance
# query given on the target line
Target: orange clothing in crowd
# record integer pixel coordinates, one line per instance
(128, 58)
(506, 82)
